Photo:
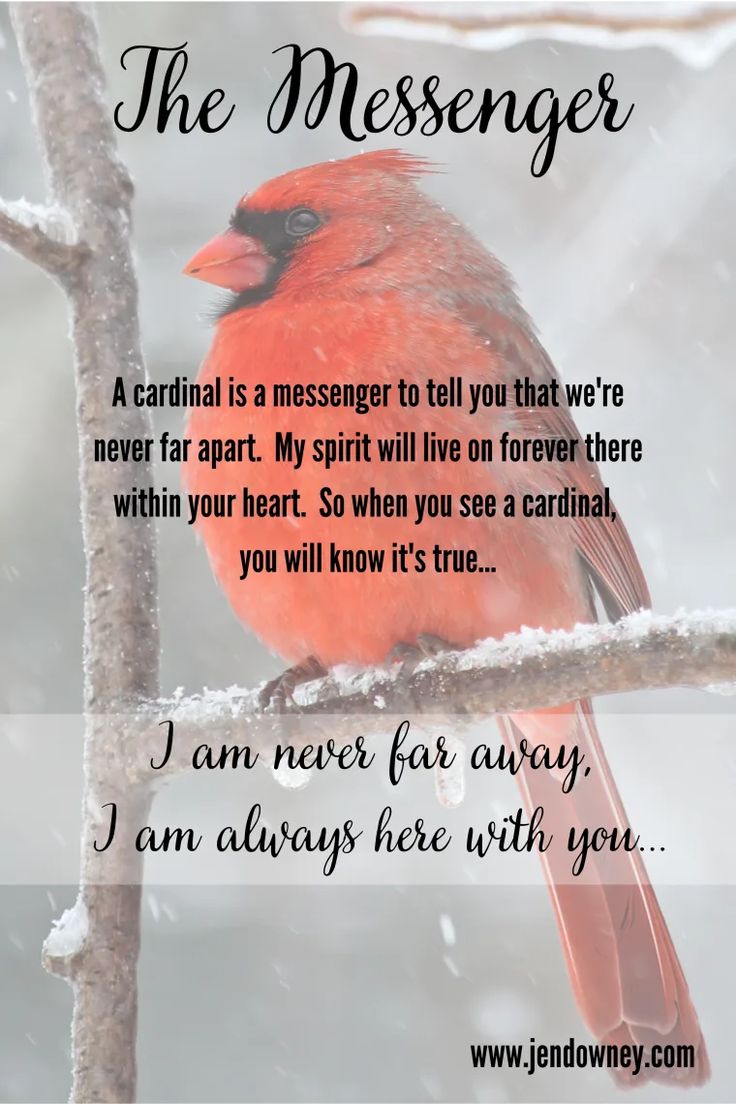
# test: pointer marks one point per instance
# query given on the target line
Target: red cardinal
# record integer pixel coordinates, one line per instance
(344, 272)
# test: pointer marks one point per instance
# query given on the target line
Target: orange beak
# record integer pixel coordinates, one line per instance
(231, 260)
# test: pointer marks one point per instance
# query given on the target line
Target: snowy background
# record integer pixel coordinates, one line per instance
(625, 254)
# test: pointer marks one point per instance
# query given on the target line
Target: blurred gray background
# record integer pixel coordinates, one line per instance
(625, 254)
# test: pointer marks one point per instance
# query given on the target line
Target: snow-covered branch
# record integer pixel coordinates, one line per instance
(696, 33)
(43, 235)
(528, 670)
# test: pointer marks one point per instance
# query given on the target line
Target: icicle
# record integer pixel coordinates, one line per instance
(447, 929)
(449, 782)
(291, 778)
(451, 965)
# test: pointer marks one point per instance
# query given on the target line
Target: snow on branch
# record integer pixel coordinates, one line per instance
(696, 33)
(43, 235)
(532, 669)
(66, 939)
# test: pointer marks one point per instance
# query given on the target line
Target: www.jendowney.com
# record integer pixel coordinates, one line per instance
(533, 1056)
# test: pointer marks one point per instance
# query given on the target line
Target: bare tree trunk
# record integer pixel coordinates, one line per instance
(86, 179)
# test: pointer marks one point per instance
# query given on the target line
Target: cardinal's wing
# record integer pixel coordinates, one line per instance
(604, 545)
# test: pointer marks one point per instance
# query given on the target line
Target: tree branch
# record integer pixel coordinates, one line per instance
(24, 229)
(528, 670)
(86, 181)
(697, 32)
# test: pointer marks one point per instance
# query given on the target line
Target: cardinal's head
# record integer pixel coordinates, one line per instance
(338, 227)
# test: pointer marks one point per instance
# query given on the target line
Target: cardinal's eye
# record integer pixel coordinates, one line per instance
(301, 222)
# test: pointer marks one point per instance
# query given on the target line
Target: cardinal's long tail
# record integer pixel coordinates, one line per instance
(623, 966)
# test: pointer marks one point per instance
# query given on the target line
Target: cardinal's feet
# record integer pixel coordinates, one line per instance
(279, 692)
(427, 645)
